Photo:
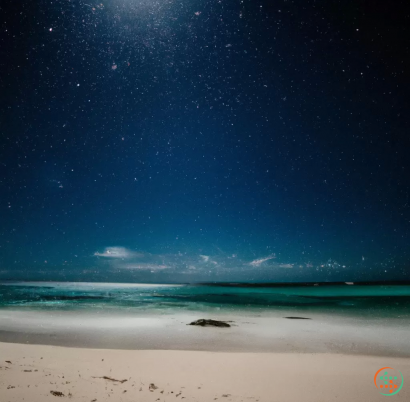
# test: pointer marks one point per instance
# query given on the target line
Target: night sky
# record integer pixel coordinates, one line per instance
(202, 140)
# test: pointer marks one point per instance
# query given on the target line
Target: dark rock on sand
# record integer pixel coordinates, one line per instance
(152, 387)
(298, 318)
(210, 323)
(56, 393)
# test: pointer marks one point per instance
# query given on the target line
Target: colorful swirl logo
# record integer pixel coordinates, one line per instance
(388, 381)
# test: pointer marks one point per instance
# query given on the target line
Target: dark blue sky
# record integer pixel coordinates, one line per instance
(195, 140)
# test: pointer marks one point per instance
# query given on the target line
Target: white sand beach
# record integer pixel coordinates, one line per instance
(37, 373)
(46, 355)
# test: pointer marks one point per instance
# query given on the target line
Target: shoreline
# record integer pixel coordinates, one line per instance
(250, 333)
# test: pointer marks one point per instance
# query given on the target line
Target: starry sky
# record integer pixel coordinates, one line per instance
(202, 140)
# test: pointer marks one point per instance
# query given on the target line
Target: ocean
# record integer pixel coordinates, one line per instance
(356, 300)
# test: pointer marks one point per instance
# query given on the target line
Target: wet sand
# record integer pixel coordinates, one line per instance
(257, 332)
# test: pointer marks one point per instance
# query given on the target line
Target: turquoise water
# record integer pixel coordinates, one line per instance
(375, 300)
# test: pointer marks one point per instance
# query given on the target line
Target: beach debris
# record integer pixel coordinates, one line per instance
(112, 379)
(28, 371)
(226, 395)
(152, 387)
(297, 318)
(210, 323)
(94, 400)
(9, 362)
(11, 387)
(56, 393)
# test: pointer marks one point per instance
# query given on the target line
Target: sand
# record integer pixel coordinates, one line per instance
(34, 372)
(250, 332)
(62, 355)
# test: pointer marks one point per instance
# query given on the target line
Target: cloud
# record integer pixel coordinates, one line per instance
(144, 266)
(115, 252)
(205, 258)
(285, 265)
(121, 258)
(259, 261)
(219, 264)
